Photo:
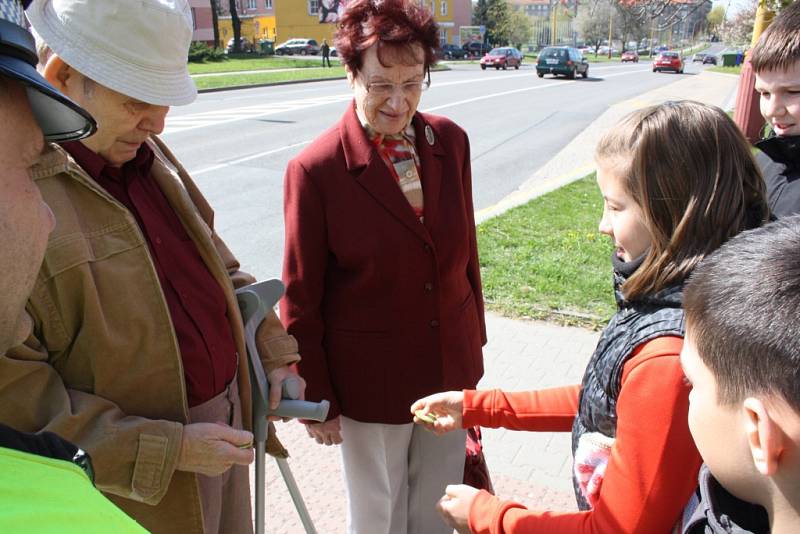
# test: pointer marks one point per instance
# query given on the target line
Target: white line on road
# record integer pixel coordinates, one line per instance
(247, 158)
(452, 104)
(183, 123)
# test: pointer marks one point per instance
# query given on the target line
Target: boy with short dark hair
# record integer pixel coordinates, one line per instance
(776, 63)
(742, 355)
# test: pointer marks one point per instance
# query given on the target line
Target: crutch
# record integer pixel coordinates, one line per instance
(255, 301)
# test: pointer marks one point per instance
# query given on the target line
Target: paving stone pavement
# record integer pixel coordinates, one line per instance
(532, 468)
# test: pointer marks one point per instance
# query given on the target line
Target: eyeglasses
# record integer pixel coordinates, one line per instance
(408, 88)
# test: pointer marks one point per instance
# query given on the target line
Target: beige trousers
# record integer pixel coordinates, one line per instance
(395, 475)
(225, 498)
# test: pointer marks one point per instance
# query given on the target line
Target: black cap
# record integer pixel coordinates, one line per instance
(60, 118)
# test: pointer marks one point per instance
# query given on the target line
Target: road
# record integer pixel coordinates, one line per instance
(236, 144)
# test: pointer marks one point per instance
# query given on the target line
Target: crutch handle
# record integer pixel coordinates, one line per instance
(255, 301)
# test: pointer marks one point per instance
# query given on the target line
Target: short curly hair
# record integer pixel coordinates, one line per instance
(399, 24)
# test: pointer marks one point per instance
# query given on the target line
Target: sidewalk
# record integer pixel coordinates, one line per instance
(532, 468)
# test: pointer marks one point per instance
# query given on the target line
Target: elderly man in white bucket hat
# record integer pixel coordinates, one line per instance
(137, 351)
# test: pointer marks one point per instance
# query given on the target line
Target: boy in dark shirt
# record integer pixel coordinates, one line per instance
(742, 356)
(776, 63)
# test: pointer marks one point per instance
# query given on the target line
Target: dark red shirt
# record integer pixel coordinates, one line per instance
(196, 301)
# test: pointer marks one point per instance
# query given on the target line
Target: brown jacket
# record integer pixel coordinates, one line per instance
(102, 366)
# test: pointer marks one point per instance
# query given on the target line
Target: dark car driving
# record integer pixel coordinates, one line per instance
(451, 51)
(476, 48)
(564, 60)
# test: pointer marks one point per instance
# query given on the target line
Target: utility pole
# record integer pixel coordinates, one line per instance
(610, 22)
(747, 114)
(652, 30)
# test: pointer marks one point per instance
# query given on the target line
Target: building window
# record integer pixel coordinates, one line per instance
(194, 19)
(268, 4)
(444, 8)
(251, 4)
(442, 36)
(313, 7)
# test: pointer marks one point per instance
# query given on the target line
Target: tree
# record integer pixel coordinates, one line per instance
(520, 29)
(215, 21)
(629, 25)
(495, 15)
(237, 26)
(715, 19)
(740, 29)
(592, 22)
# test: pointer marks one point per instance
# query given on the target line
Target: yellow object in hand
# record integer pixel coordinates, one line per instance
(428, 417)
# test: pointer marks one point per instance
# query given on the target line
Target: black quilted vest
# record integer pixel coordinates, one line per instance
(634, 323)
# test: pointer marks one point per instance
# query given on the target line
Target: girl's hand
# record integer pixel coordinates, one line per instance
(455, 504)
(445, 409)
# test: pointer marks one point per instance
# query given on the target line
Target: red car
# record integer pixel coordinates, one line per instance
(502, 58)
(668, 61)
(630, 55)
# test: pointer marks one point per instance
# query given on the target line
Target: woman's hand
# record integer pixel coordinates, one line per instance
(446, 409)
(327, 433)
(455, 504)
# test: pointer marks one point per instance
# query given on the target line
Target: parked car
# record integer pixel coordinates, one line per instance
(502, 58)
(451, 51)
(700, 56)
(302, 47)
(476, 48)
(630, 55)
(244, 45)
(671, 61)
(710, 59)
(562, 60)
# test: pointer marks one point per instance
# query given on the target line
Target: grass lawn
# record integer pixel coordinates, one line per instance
(546, 259)
(234, 80)
(256, 63)
(727, 70)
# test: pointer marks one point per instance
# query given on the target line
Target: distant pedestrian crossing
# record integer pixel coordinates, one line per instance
(193, 121)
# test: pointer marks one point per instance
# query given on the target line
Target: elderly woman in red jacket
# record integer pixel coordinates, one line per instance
(381, 266)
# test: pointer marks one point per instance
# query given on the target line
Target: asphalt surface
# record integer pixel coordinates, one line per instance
(236, 144)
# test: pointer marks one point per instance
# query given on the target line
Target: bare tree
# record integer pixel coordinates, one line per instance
(663, 14)
(237, 26)
(215, 21)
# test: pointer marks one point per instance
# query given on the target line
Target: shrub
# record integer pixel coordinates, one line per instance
(200, 52)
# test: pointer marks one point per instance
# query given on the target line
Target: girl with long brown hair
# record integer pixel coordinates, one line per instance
(678, 180)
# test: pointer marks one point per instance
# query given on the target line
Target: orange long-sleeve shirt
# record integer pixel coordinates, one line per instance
(653, 467)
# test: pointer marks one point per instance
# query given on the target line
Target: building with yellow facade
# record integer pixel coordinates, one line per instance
(316, 19)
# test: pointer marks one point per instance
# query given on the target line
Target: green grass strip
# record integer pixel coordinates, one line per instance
(727, 70)
(236, 80)
(258, 63)
(546, 259)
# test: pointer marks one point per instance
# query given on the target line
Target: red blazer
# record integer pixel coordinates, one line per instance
(386, 310)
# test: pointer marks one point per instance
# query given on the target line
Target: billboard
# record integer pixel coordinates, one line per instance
(470, 34)
(331, 10)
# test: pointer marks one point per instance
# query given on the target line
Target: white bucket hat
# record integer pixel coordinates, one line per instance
(136, 47)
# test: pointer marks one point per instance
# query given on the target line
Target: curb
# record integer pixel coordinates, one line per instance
(553, 175)
(286, 82)
(267, 84)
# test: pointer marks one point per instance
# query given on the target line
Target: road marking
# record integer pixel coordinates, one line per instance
(247, 158)
(193, 121)
(182, 123)
(522, 90)
(209, 116)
